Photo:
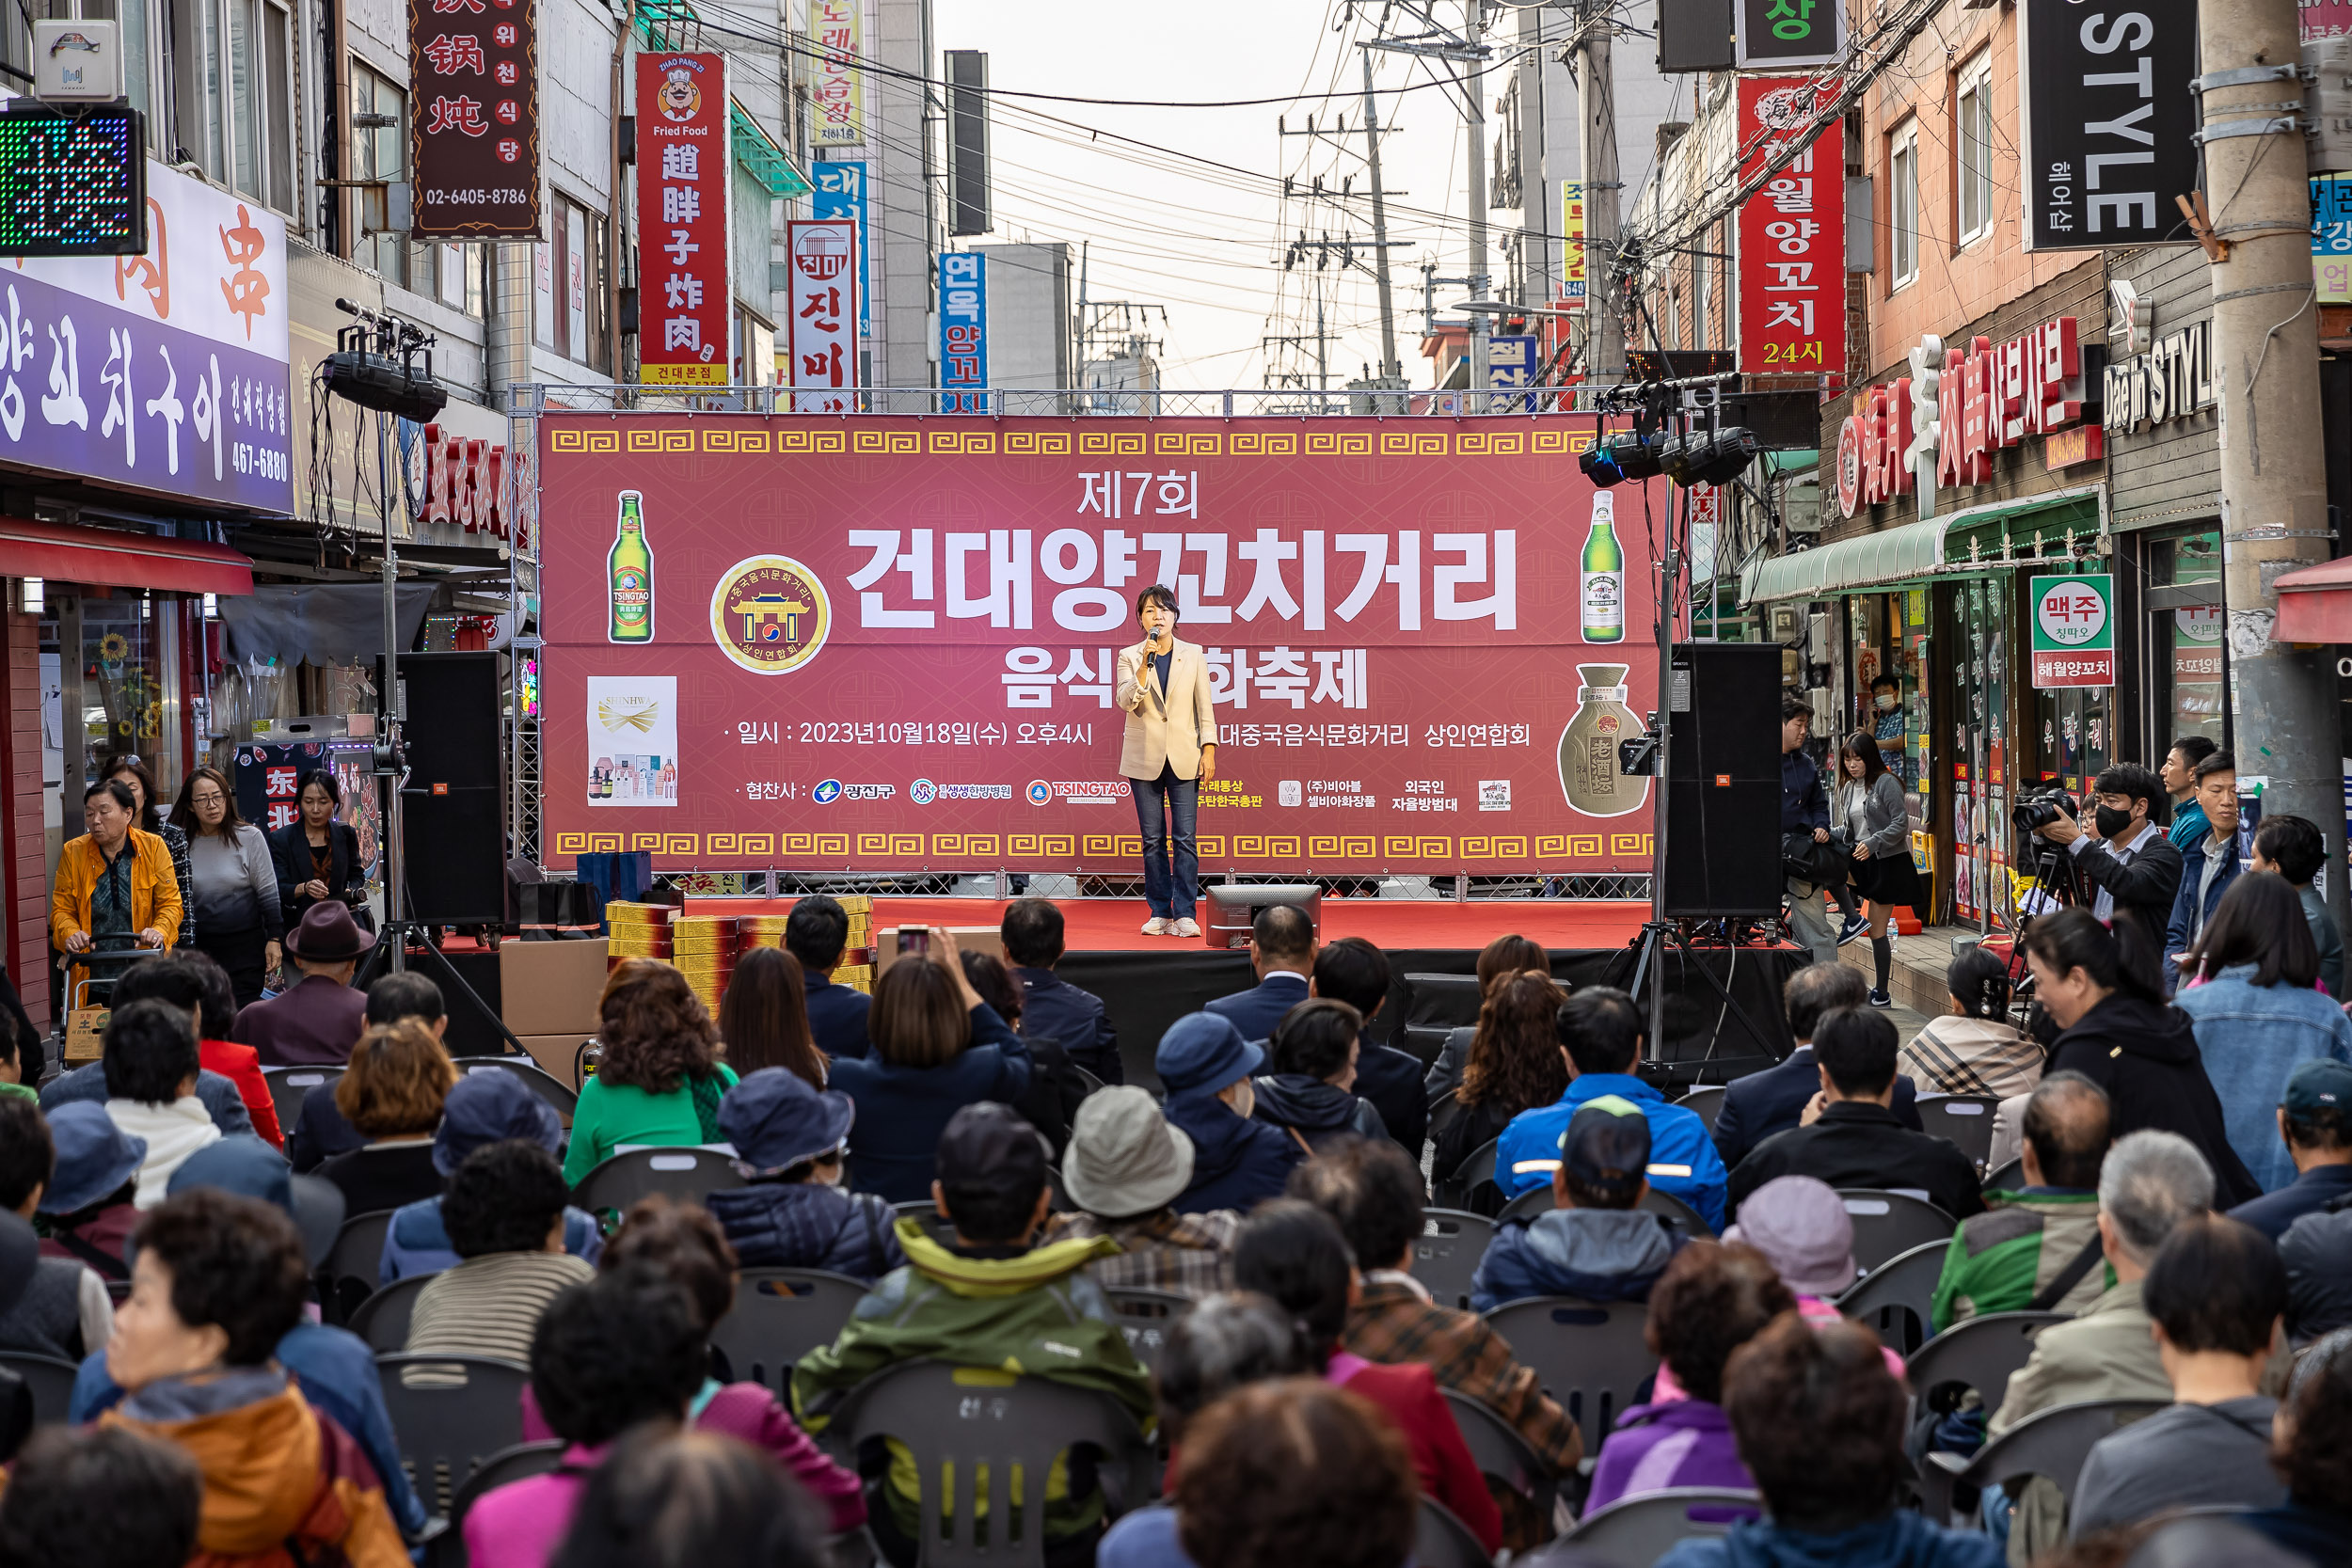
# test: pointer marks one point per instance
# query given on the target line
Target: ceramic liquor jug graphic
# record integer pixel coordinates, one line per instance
(1588, 747)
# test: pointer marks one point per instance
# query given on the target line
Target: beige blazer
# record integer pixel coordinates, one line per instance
(1165, 728)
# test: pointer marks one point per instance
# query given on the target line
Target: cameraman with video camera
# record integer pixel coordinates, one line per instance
(2121, 853)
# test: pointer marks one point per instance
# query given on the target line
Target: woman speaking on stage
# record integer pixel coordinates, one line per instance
(1169, 750)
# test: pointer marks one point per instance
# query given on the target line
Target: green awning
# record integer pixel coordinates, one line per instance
(1779, 463)
(1891, 555)
(763, 159)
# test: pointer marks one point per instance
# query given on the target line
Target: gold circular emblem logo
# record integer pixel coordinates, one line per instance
(769, 614)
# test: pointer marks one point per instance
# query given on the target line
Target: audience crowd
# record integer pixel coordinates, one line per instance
(1305, 1266)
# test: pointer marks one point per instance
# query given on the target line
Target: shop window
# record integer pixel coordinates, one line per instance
(2186, 669)
(1903, 206)
(570, 277)
(1972, 148)
(233, 94)
(378, 139)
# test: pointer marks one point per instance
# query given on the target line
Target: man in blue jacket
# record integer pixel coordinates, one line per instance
(1601, 1035)
(1051, 1007)
(2211, 864)
(1282, 951)
(816, 932)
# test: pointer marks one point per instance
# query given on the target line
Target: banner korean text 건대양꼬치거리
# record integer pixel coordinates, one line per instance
(887, 641)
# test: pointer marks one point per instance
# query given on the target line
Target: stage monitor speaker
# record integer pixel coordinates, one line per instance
(456, 800)
(1723, 792)
(1234, 906)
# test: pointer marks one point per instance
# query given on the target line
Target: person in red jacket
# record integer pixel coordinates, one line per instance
(1293, 1252)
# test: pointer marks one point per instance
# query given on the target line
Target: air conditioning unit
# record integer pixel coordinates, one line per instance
(1801, 504)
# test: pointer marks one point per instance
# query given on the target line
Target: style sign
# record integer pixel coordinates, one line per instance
(1775, 33)
(474, 118)
(684, 160)
(2108, 136)
(823, 303)
(962, 332)
(2073, 631)
(839, 192)
(1792, 232)
(838, 94)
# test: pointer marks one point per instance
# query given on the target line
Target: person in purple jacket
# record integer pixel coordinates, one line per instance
(1712, 1299)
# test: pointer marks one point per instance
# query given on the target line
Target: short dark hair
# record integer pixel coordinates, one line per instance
(164, 977)
(504, 1197)
(2123, 958)
(666, 1497)
(2068, 1123)
(1315, 1037)
(1294, 1253)
(233, 1260)
(148, 1049)
(681, 1243)
(29, 1156)
(816, 932)
(99, 1497)
(2130, 778)
(1819, 1422)
(2326, 1126)
(1794, 706)
(1818, 989)
(2316, 1461)
(216, 1013)
(2259, 922)
(2192, 748)
(1712, 1299)
(406, 993)
(2216, 1284)
(1157, 594)
(1894, 681)
(325, 779)
(115, 791)
(1348, 1498)
(986, 975)
(1353, 970)
(1857, 1047)
(1227, 1340)
(2219, 761)
(1602, 1028)
(2293, 844)
(624, 1347)
(1372, 1190)
(1283, 932)
(1032, 932)
(996, 1207)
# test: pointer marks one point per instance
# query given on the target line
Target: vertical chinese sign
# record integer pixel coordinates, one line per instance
(474, 118)
(823, 271)
(963, 333)
(840, 193)
(682, 185)
(2073, 631)
(1792, 232)
(838, 29)
(1572, 244)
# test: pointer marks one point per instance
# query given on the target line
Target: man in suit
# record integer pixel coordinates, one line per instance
(1052, 1007)
(1282, 951)
(1168, 751)
(1770, 1102)
(815, 934)
(1353, 970)
(320, 1019)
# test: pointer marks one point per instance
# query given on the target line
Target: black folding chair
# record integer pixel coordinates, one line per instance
(49, 1379)
(2011, 1177)
(2052, 1443)
(1706, 1099)
(1475, 1181)
(1446, 1257)
(450, 1414)
(1966, 1119)
(1440, 1540)
(519, 1462)
(1897, 1298)
(352, 1264)
(1887, 1224)
(287, 1084)
(1982, 1353)
(1590, 1356)
(558, 1094)
(1502, 1451)
(779, 1316)
(1144, 1317)
(687, 1173)
(382, 1319)
(1641, 1530)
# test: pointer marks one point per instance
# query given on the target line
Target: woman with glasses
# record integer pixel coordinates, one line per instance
(238, 919)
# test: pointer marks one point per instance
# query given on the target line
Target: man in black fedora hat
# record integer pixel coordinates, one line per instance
(320, 1018)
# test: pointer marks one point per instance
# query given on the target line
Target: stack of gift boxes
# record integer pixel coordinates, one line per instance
(705, 947)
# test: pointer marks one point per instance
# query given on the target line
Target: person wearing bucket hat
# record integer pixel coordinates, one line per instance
(334, 1368)
(482, 1108)
(320, 1018)
(789, 1139)
(87, 1203)
(1125, 1169)
(1237, 1162)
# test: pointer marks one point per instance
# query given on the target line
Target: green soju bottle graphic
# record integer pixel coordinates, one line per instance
(1601, 582)
(630, 570)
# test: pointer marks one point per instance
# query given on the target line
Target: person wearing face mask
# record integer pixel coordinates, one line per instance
(790, 1139)
(2122, 861)
(1887, 722)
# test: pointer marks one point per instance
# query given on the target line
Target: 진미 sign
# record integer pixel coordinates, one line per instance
(2073, 631)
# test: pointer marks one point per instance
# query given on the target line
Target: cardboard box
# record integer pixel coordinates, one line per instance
(550, 987)
(555, 1053)
(84, 1029)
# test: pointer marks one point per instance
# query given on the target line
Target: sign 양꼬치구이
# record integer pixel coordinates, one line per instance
(885, 642)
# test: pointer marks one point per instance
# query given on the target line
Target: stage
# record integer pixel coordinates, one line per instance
(1146, 983)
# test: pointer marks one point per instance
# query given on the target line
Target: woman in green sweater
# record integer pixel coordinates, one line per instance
(660, 1079)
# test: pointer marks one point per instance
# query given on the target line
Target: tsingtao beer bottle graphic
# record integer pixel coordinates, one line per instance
(630, 570)
(1602, 578)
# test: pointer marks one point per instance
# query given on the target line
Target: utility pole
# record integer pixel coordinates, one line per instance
(1391, 366)
(1475, 107)
(1596, 158)
(2273, 493)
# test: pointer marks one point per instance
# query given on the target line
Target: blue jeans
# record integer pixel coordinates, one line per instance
(1156, 801)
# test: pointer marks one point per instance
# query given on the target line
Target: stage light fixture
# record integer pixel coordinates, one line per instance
(1698, 457)
(1625, 455)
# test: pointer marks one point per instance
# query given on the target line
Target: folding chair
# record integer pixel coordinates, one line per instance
(541, 1082)
(1446, 1257)
(1896, 1298)
(460, 1410)
(1144, 1318)
(519, 1462)
(1502, 1451)
(687, 1173)
(1887, 1224)
(1475, 1181)
(779, 1316)
(1981, 1354)
(1966, 1119)
(923, 1212)
(1640, 1530)
(352, 1264)
(1440, 1540)
(287, 1084)
(49, 1379)
(1590, 1356)
(382, 1319)
(2052, 1443)
(1706, 1099)
(2011, 1177)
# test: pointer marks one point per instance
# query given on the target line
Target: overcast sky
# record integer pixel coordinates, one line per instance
(1200, 240)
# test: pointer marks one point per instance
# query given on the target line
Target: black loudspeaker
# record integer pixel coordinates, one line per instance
(455, 799)
(1695, 35)
(1723, 792)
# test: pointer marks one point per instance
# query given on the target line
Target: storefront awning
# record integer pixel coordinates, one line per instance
(110, 558)
(2315, 603)
(1888, 556)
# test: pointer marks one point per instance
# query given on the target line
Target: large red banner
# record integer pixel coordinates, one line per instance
(884, 643)
(1792, 232)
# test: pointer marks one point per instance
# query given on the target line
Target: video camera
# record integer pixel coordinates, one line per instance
(2040, 807)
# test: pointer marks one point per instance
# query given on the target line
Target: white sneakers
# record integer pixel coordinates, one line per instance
(1155, 926)
(1187, 927)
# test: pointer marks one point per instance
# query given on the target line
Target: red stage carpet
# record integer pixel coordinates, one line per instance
(1112, 925)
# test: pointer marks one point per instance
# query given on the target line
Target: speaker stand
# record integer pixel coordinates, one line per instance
(393, 940)
(1649, 947)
